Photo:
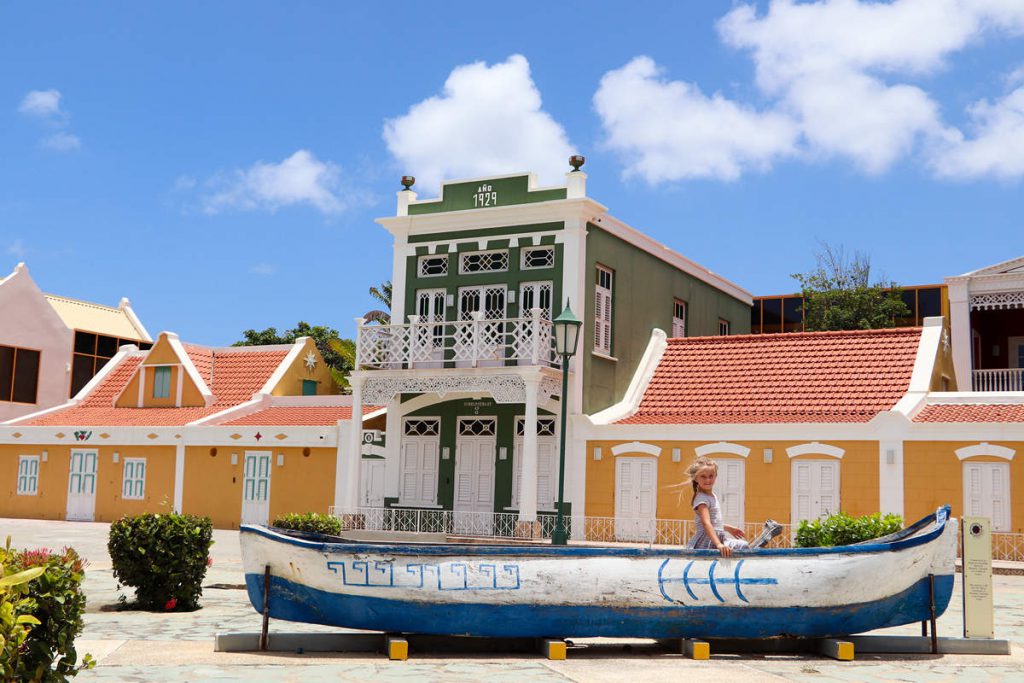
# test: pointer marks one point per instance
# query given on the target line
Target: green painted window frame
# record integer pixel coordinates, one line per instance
(162, 382)
(28, 475)
(133, 484)
(309, 383)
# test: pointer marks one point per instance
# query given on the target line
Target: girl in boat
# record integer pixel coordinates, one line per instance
(707, 513)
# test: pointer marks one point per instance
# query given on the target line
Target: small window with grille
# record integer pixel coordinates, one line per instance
(545, 426)
(483, 261)
(433, 266)
(477, 427)
(678, 318)
(723, 327)
(422, 427)
(537, 257)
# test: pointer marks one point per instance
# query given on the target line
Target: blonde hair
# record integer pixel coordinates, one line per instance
(691, 473)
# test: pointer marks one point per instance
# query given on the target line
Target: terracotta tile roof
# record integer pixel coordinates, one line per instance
(975, 412)
(233, 377)
(792, 377)
(283, 416)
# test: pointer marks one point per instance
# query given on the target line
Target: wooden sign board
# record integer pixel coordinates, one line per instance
(976, 537)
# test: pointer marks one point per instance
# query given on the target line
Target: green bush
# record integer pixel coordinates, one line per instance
(842, 529)
(49, 654)
(16, 620)
(163, 556)
(315, 522)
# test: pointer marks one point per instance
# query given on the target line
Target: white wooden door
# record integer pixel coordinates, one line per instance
(473, 503)
(418, 470)
(636, 487)
(730, 490)
(82, 486)
(428, 344)
(256, 488)
(987, 492)
(371, 484)
(814, 489)
(483, 344)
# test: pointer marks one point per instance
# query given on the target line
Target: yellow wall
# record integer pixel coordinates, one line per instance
(933, 476)
(51, 501)
(291, 382)
(161, 354)
(767, 485)
(213, 486)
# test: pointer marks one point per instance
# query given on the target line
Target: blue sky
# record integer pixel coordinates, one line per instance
(221, 164)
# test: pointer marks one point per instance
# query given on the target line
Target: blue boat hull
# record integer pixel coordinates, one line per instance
(296, 602)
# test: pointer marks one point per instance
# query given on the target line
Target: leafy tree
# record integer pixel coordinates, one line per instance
(838, 294)
(339, 354)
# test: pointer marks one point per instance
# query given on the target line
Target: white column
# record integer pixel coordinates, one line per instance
(393, 446)
(179, 476)
(960, 331)
(890, 476)
(351, 458)
(528, 467)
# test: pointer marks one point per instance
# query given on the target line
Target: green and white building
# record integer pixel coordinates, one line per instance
(467, 370)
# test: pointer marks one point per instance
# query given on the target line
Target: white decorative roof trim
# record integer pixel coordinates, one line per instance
(927, 352)
(126, 306)
(722, 447)
(985, 448)
(636, 447)
(630, 402)
(815, 448)
(278, 374)
(998, 268)
(190, 368)
(253, 405)
(997, 300)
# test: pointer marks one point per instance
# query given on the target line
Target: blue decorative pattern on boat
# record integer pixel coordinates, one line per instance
(451, 576)
(665, 579)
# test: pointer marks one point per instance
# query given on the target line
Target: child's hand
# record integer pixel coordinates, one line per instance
(735, 531)
(725, 550)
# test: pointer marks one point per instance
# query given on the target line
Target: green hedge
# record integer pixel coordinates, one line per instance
(842, 529)
(41, 607)
(163, 556)
(315, 522)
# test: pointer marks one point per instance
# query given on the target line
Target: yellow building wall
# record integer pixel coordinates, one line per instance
(767, 485)
(51, 501)
(162, 354)
(291, 382)
(213, 486)
(933, 476)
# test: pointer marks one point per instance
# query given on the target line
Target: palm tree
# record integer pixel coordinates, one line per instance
(383, 295)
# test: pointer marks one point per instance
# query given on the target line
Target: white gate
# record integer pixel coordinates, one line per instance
(474, 475)
(256, 488)
(815, 489)
(636, 486)
(82, 486)
(987, 492)
(371, 482)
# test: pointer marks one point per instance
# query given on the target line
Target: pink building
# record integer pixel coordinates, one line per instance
(52, 346)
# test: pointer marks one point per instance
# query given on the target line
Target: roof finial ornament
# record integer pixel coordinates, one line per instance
(407, 182)
(577, 160)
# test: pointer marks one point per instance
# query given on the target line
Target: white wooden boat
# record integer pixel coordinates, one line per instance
(504, 590)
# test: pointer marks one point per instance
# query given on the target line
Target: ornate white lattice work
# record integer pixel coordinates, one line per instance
(982, 302)
(504, 388)
(550, 387)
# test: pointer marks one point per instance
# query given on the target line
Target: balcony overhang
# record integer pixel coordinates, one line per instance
(508, 384)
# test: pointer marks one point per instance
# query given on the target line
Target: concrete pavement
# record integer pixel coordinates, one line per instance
(143, 646)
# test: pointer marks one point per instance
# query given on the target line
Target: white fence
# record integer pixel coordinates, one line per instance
(1011, 379)
(506, 525)
(466, 343)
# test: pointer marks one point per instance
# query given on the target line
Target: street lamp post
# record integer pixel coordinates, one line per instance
(567, 336)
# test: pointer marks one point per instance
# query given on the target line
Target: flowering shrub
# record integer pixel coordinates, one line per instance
(163, 556)
(842, 529)
(315, 522)
(49, 615)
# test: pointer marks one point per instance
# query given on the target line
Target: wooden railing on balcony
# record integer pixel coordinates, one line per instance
(1011, 379)
(468, 343)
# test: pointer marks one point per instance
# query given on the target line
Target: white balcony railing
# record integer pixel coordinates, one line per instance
(1011, 379)
(468, 343)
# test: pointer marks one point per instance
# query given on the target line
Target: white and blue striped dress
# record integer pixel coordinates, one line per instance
(700, 539)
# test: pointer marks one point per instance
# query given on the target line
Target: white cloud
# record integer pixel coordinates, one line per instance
(487, 120)
(847, 76)
(18, 249)
(262, 269)
(669, 130)
(61, 142)
(43, 104)
(299, 179)
(997, 149)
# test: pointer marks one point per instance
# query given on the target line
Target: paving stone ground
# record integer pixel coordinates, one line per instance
(136, 647)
